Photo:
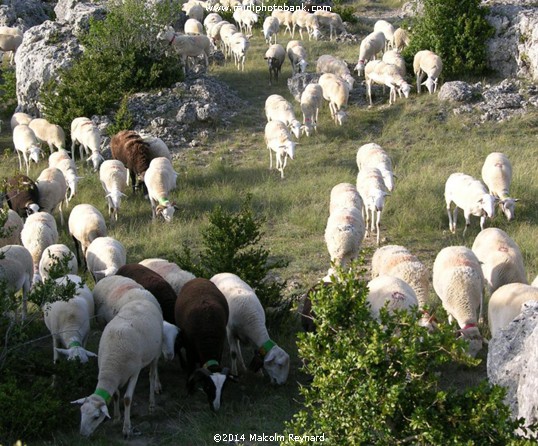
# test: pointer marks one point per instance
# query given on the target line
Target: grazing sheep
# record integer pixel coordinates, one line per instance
(497, 175)
(370, 46)
(458, 281)
(157, 147)
(85, 133)
(373, 155)
(130, 342)
(210, 20)
(331, 64)
(213, 32)
(344, 234)
(302, 20)
(187, 46)
(397, 261)
(247, 323)
(313, 27)
(51, 134)
(52, 190)
(69, 321)
(388, 31)
(194, 10)
(25, 142)
(371, 188)
(20, 118)
(505, 304)
(193, 27)
(470, 195)
(54, 254)
(393, 57)
(278, 139)
(330, 20)
(344, 195)
(155, 284)
(297, 56)
(400, 39)
(22, 195)
(11, 230)
(500, 258)
(17, 272)
(10, 40)
(160, 179)
(104, 256)
(129, 148)
(39, 232)
(275, 57)
(85, 224)
(113, 177)
(284, 18)
(239, 44)
(63, 161)
(336, 91)
(202, 314)
(379, 72)
(277, 108)
(245, 19)
(311, 102)
(270, 29)
(390, 292)
(226, 32)
(429, 64)
(170, 272)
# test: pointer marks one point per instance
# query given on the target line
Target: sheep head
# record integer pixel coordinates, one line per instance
(487, 203)
(212, 380)
(76, 352)
(34, 152)
(166, 210)
(508, 207)
(93, 411)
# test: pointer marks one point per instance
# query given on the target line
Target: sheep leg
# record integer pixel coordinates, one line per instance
(79, 262)
(154, 384)
(270, 158)
(116, 399)
(369, 91)
(127, 400)
(20, 162)
(377, 227)
(153, 205)
(482, 222)
(451, 225)
(420, 76)
(467, 221)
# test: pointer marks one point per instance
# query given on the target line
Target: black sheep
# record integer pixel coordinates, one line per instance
(22, 195)
(128, 147)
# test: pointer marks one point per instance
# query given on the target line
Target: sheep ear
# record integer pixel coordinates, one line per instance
(63, 351)
(79, 178)
(107, 196)
(516, 199)
(79, 401)
(90, 354)
(122, 194)
(104, 410)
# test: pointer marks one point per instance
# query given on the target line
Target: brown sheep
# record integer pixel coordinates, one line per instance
(128, 147)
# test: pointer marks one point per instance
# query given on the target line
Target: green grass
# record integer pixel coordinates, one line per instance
(426, 142)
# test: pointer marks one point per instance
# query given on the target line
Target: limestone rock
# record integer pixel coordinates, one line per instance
(298, 82)
(24, 13)
(457, 91)
(78, 13)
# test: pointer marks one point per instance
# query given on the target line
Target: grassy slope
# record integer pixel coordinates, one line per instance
(426, 143)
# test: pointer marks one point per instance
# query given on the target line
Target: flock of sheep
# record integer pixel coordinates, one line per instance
(154, 308)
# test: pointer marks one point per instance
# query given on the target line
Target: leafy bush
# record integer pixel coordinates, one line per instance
(378, 383)
(346, 12)
(122, 54)
(457, 31)
(230, 243)
(123, 119)
(8, 91)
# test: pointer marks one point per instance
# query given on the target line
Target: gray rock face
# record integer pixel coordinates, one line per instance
(45, 49)
(78, 13)
(513, 361)
(457, 91)
(298, 82)
(24, 13)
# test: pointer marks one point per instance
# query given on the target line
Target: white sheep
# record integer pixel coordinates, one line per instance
(130, 342)
(54, 254)
(284, 18)
(213, 32)
(25, 142)
(226, 32)
(392, 293)
(85, 224)
(297, 55)
(393, 57)
(39, 232)
(277, 108)
(379, 72)
(85, 133)
(187, 46)
(388, 31)
(497, 175)
(397, 261)
(275, 56)
(69, 321)
(344, 234)
(194, 10)
(113, 176)
(500, 258)
(400, 39)
(17, 272)
(170, 272)
(247, 323)
(11, 231)
(371, 188)
(239, 44)
(51, 134)
(10, 40)
(193, 27)
(52, 190)
(330, 20)
(344, 195)
(370, 46)
(210, 20)
(430, 64)
(245, 18)
(535, 282)
(336, 92)
(313, 26)
(373, 155)
(157, 147)
(505, 304)
(270, 29)
(331, 64)
(104, 256)
(278, 139)
(160, 179)
(471, 196)
(20, 118)
(459, 283)
(311, 102)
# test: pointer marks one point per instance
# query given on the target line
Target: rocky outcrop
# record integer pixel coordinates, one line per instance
(458, 91)
(45, 49)
(78, 13)
(298, 82)
(513, 361)
(24, 13)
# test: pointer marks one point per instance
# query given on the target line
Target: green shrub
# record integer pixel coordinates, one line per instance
(457, 31)
(346, 12)
(8, 91)
(230, 243)
(123, 119)
(378, 383)
(122, 54)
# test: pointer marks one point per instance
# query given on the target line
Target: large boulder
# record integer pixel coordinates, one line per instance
(24, 13)
(45, 49)
(78, 13)
(457, 91)
(513, 361)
